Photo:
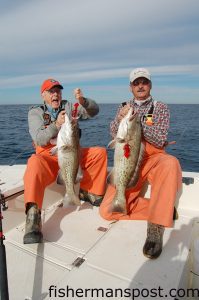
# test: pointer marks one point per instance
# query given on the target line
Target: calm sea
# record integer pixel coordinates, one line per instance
(16, 145)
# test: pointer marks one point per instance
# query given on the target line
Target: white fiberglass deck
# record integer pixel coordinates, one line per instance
(112, 255)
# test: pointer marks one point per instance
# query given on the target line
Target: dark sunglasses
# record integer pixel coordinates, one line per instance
(143, 81)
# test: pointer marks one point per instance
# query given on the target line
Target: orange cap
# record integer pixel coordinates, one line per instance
(49, 84)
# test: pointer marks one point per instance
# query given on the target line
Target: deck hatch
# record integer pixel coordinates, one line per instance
(103, 229)
(78, 262)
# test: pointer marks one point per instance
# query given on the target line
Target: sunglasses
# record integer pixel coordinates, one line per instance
(143, 81)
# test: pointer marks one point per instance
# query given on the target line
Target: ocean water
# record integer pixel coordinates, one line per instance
(16, 144)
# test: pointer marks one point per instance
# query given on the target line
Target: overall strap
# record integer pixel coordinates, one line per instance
(150, 112)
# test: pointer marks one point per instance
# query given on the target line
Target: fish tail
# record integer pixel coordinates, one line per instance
(119, 203)
(71, 198)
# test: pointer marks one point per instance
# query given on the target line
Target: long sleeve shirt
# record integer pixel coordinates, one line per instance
(156, 134)
(41, 122)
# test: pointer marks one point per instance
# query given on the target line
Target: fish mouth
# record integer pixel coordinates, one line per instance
(132, 117)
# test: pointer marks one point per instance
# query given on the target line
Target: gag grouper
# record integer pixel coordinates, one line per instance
(68, 158)
(127, 159)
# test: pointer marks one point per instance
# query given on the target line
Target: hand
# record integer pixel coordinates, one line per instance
(123, 111)
(60, 119)
(79, 95)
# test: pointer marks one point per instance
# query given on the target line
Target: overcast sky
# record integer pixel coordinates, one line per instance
(94, 44)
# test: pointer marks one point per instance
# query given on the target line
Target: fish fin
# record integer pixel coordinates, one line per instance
(77, 188)
(53, 141)
(79, 175)
(53, 151)
(135, 177)
(110, 177)
(66, 147)
(111, 144)
(60, 178)
(71, 199)
(120, 140)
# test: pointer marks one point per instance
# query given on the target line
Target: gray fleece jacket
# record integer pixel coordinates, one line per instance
(42, 126)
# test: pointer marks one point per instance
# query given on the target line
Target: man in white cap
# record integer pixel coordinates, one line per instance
(160, 169)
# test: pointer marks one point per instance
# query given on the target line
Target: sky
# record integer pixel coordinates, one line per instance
(94, 44)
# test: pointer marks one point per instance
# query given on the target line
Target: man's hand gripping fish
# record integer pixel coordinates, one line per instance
(68, 158)
(127, 159)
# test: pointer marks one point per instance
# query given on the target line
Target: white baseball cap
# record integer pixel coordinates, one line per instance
(139, 72)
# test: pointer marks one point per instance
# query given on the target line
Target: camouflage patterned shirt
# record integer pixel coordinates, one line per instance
(155, 133)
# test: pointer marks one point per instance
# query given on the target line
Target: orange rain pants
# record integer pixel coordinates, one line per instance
(164, 173)
(42, 169)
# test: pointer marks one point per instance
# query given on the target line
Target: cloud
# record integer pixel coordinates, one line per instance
(44, 28)
(87, 41)
(94, 75)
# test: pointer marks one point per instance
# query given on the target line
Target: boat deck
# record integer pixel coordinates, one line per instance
(86, 257)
